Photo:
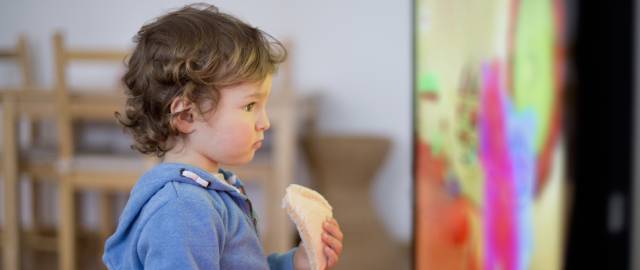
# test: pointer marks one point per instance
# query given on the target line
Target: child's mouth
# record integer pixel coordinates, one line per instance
(257, 144)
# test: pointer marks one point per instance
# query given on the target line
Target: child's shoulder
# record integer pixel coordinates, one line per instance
(180, 196)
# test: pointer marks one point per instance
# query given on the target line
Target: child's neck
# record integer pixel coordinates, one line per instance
(186, 156)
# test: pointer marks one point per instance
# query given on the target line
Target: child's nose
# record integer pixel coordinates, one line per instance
(263, 123)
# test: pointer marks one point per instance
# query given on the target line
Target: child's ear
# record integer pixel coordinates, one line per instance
(182, 115)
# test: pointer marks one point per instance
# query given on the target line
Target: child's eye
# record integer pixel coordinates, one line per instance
(249, 107)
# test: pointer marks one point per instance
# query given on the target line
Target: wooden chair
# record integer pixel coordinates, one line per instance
(31, 161)
(20, 55)
(102, 173)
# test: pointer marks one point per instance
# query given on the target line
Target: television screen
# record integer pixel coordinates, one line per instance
(489, 148)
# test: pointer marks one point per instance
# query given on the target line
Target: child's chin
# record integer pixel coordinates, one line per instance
(241, 161)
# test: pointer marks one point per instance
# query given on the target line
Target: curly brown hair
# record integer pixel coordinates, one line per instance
(191, 53)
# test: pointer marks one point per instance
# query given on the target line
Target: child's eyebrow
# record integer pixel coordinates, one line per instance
(256, 95)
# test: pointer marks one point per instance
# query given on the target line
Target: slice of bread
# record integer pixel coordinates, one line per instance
(308, 210)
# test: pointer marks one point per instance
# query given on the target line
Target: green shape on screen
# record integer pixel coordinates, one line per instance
(428, 83)
(436, 143)
(533, 74)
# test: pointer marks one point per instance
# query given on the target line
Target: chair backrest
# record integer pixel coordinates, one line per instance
(20, 54)
(85, 108)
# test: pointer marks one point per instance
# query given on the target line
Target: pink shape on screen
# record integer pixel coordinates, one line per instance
(500, 221)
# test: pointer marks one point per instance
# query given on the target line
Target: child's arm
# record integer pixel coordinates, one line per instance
(297, 259)
(178, 236)
(282, 261)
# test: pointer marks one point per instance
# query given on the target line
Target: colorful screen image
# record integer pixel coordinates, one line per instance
(490, 153)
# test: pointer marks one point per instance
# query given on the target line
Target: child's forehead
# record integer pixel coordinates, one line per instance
(249, 89)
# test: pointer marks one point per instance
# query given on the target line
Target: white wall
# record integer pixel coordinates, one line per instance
(356, 54)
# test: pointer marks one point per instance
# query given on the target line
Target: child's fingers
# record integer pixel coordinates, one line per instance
(333, 243)
(332, 257)
(334, 221)
(334, 229)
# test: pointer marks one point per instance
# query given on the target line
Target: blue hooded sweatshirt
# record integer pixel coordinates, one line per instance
(172, 221)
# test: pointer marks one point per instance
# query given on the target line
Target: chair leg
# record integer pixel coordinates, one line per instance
(36, 197)
(36, 187)
(11, 237)
(36, 221)
(106, 221)
(67, 236)
(35, 129)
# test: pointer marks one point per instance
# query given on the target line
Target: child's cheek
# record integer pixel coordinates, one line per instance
(242, 134)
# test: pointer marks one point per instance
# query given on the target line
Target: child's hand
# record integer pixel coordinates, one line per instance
(332, 239)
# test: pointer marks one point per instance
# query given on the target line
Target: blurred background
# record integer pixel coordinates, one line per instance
(382, 106)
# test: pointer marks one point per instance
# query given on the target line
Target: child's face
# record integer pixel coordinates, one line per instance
(232, 132)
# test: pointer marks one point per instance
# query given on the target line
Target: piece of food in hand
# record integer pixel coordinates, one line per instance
(308, 210)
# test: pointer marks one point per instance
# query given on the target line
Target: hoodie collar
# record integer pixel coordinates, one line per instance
(174, 171)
